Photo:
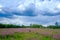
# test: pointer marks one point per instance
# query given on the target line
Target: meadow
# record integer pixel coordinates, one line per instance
(29, 34)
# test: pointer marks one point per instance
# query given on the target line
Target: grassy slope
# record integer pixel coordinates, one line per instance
(26, 36)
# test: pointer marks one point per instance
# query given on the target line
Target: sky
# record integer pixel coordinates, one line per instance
(26, 12)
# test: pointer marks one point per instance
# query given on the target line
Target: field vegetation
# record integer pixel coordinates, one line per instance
(31, 32)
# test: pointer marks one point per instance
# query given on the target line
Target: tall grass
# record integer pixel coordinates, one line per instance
(26, 36)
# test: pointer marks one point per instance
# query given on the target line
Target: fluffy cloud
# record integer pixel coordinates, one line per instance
(45, 12)
(27, 20)
(1, 7)
(58, 6)
(50, 6)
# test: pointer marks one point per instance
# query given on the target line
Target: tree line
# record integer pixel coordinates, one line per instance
(30, 26)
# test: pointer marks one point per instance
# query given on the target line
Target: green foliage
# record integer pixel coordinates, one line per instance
(8, 26)
(53, 26)
(56, 26)
(23, 26)
(26, 36)
(36, 26)
(31, 26)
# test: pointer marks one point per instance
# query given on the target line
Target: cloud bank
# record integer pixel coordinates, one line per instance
(45, 12)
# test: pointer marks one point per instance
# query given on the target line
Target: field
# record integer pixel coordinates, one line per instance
(29, 34)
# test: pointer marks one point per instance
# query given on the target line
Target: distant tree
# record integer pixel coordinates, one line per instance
(35, 26)
(23, 26)
(56, 23)
(53, 26)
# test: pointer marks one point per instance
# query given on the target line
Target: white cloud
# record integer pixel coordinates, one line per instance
(26, 20)
(58, 6)
(48, 6)
(21, 7)
(1, 7)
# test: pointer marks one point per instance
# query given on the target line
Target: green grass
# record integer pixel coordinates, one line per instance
(26, 36)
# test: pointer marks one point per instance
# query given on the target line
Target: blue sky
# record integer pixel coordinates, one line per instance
(45, 12)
